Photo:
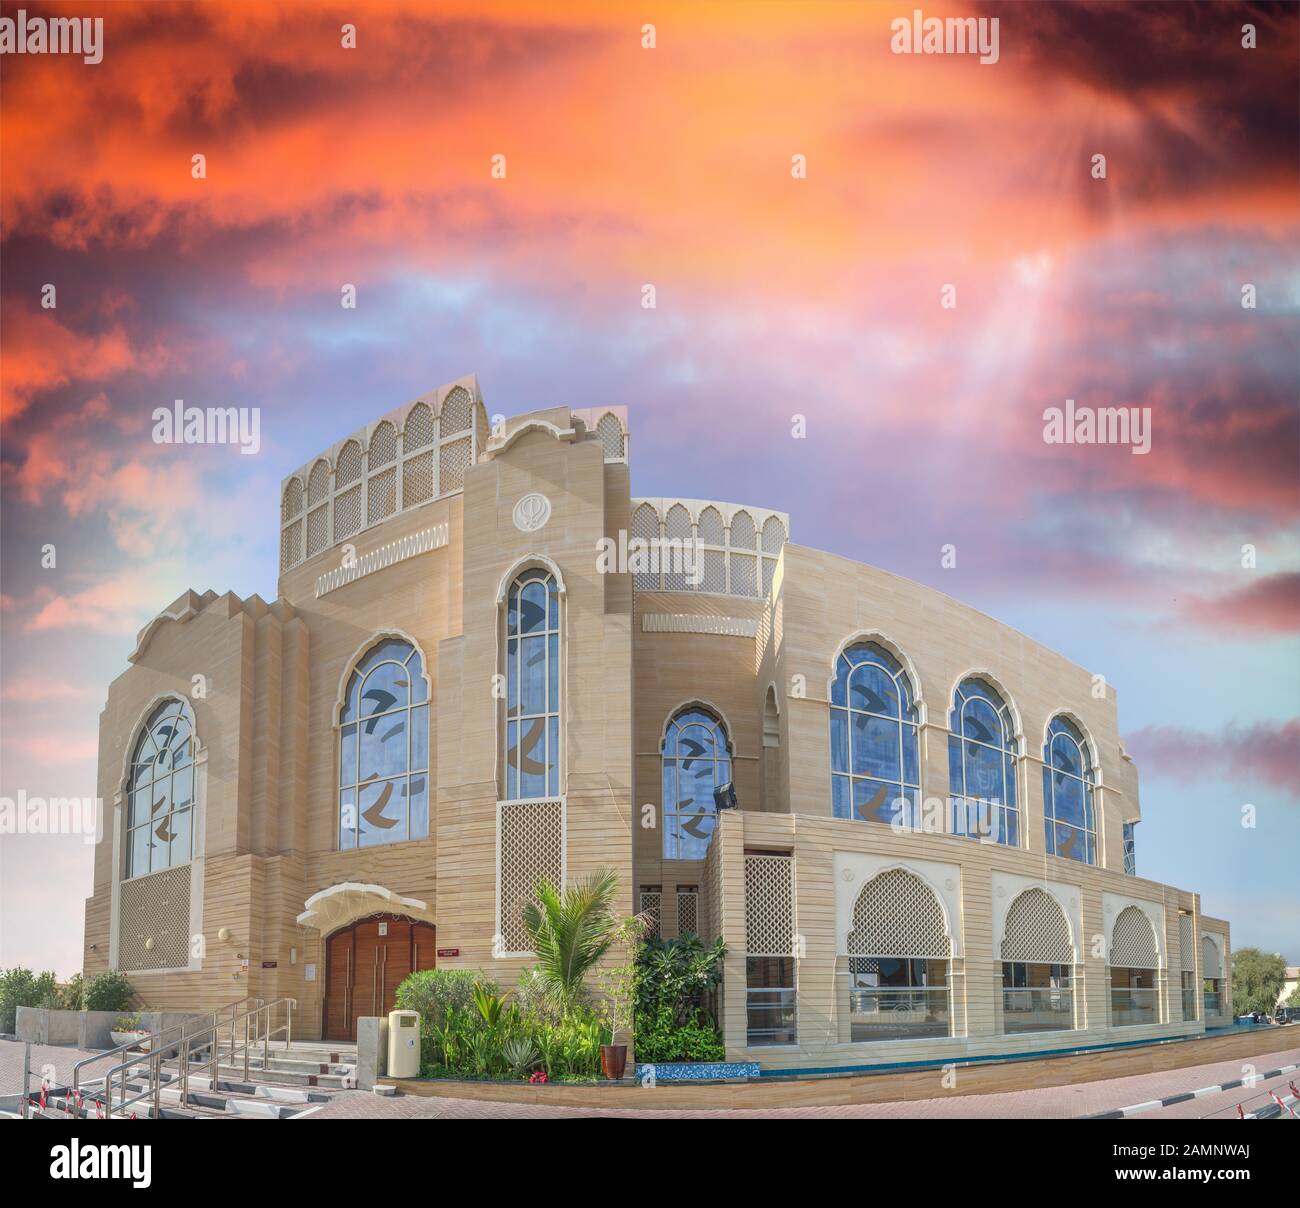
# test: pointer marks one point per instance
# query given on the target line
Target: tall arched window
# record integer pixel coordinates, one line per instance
(160, 792)
(875, 762)
(384, 748)
(982, 764)
(532, 747)
(1068, 782)
(697, 758)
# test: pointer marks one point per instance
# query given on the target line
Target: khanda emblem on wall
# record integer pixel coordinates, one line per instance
(532, 512)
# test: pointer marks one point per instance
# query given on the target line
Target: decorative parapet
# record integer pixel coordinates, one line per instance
(680, 622)
(411, 455)
(738, 545)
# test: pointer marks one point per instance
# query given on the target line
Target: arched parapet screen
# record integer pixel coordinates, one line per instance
(384, 748)
(533, 683)
(696, 760)
(1037, 966)
(1134, 970)
(982, 764)
(160, 791)
(899, 953)
(875, 752)
(1069, 788)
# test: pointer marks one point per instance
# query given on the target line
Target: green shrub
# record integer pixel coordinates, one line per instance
(673, 979)
(21, 987)
(108, 991)
(72, 995)
(434, 992)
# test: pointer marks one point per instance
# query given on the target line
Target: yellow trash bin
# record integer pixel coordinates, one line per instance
(403, 1044)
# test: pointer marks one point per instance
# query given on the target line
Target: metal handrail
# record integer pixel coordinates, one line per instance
(159, 1042)
(156, 1059)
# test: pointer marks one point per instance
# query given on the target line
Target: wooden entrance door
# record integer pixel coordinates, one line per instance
(365, 962)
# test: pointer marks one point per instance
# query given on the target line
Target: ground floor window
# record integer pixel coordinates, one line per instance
(1036, 997)
(1212, 996)
(897, 998)
(769, 1000)
(1133, 997)
(1189, 995)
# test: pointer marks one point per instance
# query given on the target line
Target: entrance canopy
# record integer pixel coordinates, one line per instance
(350, 900)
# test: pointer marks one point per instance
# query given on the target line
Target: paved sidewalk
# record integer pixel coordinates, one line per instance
(1062, 1102)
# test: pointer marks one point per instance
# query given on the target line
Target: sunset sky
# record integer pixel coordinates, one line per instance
(776, 296)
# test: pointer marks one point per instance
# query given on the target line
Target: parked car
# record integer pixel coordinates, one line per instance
(1286, 1015)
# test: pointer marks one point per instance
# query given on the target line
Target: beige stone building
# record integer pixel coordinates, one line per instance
(486, 663)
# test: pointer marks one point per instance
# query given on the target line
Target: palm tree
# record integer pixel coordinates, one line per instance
(571, 929)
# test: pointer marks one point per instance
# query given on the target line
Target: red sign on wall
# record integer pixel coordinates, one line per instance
(448, 951)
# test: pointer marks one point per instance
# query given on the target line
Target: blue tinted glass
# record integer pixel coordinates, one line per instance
(553, 671)
(553, 748)
(839, 689)
(532, 758)
(871, 690)
(420, 739)
(875, 747)
(385, 688)
(874, 800)
(911, 756)
(418, 801)
(1067, 794)
(839, 741)
(980, 722)
(532, 607)
(1010, 782)
(1065, 755)
(348, 755)
(381, 816)
(983, 772)
(383, 746)
(840, 796)
(533, 669)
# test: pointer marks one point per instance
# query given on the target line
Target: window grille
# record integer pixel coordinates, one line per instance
(897, 914)
(773, 535)
(1133, 941)
(742, 531)
(645, 527)
(418, 433)
(610, 432)
(1036, 930)
(744, 581)
(1185, 948)
(651, 904)
(318, 483)
(348, 469)
(383, 446)
(317, 530)
(417, 479)
(456, 413)
(157, 908)
(531, 850)
(453, 459)
(711, 527)
(688, 911)
(347, 513)
(291, 545)
(769, 906)
(291, 502)
(382, 494)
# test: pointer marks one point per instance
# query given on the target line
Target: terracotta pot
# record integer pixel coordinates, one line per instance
(613, 1059)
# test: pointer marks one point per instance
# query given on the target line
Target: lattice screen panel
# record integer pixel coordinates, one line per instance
(688, 912)
(318, 484)
(742, 531)
(453, 458)
(1036, 930)
(652, 904)
(645, 527)
(382, 494)
(417, 479)
(610, 432)
(291, 545)
(773, 535)
(383, 446)
(769, 906)
(1211, 961)
(744, 580)
(455, 413)
(714, 571)
(291, 502)
(348, 469)
(896, 914)
(1187, 952)
(418, 433)
(1133, 942)
(318, 531)
(711, 527)
(532, 850)
(157, 908)
(347, 513)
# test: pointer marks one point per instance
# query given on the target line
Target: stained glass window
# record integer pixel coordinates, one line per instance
(875, 762)
(982, 765)
(532, 747)
(384, 749)
(697, 758)
(160, 793)
(1068, 787)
